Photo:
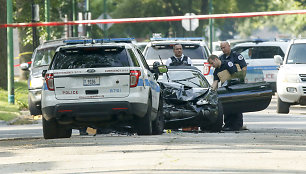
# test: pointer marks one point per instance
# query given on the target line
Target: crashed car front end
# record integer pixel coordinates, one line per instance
(188, 106)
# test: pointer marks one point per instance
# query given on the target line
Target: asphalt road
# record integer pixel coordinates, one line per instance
(274, 143)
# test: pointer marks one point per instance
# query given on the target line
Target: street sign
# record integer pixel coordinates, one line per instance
(102, 25)
(190, 24)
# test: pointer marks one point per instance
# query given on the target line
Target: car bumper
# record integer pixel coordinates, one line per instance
(298, 97)
(94, 111)
(35, 96)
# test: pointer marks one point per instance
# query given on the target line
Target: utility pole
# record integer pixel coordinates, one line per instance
(104, 16)
(74, 29)
(211, 23)
(47, 17)
(10, 56)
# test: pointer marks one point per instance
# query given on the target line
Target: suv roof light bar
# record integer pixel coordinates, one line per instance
(179, 38)
(85, 41)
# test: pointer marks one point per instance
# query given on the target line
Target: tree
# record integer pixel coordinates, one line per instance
(3, 47)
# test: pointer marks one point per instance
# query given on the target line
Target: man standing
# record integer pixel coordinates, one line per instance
(233, 121)
(233, 57)
(179, 58)
(223, 70)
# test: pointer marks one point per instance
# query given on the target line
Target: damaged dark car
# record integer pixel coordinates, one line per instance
(188, 99)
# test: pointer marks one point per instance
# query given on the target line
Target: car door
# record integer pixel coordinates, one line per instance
(245, 97)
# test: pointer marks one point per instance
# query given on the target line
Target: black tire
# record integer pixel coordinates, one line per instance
(282, 107)
(144, 124)
(32, 108)
(64, 132)
(49, 128)
(217, 125)
(158, 124)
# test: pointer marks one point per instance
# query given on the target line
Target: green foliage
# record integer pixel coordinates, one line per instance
(9, 111)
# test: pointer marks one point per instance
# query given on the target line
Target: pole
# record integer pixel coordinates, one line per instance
(210, 27)
(104, 17)
(47, 17)
(10, 56)
(74, 32)
(87, 17)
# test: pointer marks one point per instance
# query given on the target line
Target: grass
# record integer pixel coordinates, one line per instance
(9, 111)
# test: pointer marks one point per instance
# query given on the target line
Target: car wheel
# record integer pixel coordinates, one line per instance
(217, 125)
(159, 123)
(32, 108)
(49, 128)
(282, 107)
(144, 124)
(64, 132)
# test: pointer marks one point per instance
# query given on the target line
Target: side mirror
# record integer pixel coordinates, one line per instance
(43, 74)
(278, 59)
(24, 66)
(162, 69)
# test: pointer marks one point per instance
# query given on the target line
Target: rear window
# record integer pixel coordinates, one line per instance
(297, 54)
(165, 51)
(91, 57)
(263, 52)
(43, 57)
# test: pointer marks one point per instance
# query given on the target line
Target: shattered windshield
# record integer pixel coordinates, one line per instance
(189, 78)
(43, 57)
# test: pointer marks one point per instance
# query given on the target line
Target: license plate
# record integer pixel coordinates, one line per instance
(91, 81)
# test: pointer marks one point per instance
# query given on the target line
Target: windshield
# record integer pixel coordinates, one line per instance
(259, 52)
(189, 78)
(165, 51)
(297, 54)
(91, 58)
(43, 57)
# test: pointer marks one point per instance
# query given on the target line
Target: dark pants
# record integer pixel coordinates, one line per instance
(234, 120)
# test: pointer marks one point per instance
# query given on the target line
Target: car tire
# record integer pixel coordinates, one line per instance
(282, 107)
(144, 124)
(32, 108)
(159, 123)
(217, 125)
(64, 132)
(49, 128)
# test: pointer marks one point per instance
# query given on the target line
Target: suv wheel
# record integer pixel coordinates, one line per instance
(33, 109)
(217, 125)
(144, 124)
(159, 123)
(282, 107)
(64, 132)
(49, 128)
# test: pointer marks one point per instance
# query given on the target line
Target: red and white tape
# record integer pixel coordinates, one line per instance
(155, 19)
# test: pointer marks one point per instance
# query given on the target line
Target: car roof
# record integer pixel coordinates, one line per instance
(281, 44)
(299, 41)
(56, 42)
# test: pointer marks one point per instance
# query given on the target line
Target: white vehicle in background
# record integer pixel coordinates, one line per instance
(291, 78)
(195, 48)
(259, 57)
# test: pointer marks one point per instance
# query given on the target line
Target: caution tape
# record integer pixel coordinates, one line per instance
(20, 64)
(156, 19)
(21, 54)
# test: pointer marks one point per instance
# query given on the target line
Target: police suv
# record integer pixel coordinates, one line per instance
(194, 47)
(100, 83)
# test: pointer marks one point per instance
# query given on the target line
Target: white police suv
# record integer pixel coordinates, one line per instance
(194, 47)
(100, 83)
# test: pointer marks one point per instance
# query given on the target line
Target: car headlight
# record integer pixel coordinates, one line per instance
(36, 83)
(291, 78)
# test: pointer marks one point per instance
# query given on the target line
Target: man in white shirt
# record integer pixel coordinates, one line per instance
(179, 58)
